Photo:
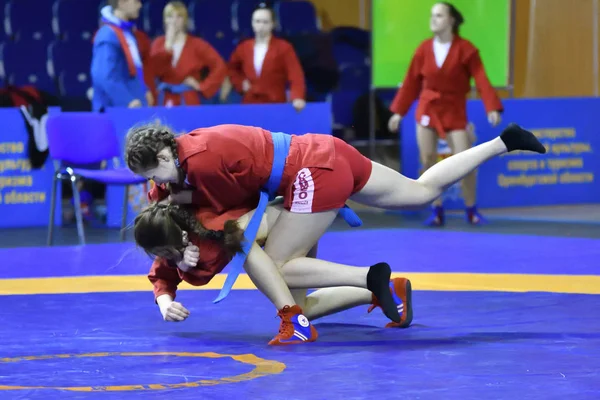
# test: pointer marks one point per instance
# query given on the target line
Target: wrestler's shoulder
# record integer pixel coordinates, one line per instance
(225, 129)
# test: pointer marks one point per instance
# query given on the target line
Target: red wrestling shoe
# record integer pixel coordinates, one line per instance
(295, 328)
(402, 292)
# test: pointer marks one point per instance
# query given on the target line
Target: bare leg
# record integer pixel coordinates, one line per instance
(266, 277)
(329, 301)
(294, 234)
(427, 140)
(460, 141)
(298, 275)
(300, 295)
(388, 189)
(309, 273)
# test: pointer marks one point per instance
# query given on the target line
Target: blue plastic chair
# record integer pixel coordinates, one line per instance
(297, 17)
(83, 138)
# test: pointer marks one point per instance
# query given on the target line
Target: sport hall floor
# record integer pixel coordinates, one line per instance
(505, 311)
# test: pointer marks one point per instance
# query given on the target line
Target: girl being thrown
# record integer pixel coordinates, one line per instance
(190, 250)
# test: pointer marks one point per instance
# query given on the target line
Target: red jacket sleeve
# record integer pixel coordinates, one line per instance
(411, 86)
(490, 98)
(164, 278)
(295, 74)
(216, 67)
(235, 68)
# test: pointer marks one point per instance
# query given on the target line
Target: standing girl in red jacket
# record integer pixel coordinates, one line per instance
(439, 76)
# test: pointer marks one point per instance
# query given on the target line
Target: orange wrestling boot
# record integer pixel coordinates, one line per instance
(402, 293)
(295, 328)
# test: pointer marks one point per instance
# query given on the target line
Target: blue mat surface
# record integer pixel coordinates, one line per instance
(462, 345)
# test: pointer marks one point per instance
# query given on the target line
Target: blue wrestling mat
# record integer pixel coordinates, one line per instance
(510, 317)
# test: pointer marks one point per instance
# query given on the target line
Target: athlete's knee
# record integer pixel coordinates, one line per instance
(427, 192)
(279, 258)
(287, 268)
(285, 272)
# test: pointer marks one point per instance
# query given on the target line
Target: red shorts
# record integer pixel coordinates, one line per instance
(318, 189)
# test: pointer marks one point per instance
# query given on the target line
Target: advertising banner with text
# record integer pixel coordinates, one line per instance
(569, 130)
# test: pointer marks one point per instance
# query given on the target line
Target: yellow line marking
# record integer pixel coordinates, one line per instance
(262, 368)
(584, 284)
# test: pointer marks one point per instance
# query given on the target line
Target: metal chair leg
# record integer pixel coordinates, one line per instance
(78, 213)
(124, 215)
(55, 181)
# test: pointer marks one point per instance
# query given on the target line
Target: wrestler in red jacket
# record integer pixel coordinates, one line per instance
(180, 58)
(261, 68)
(194, 248)
(225, 167)
(440, 75)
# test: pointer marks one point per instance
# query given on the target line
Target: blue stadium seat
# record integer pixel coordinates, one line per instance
(74, 85)
(26, 67)
(37, 78)
(2, 20)
(29, 19)
(74, 19)
(214, 25)
(351, 35)
(209, 17)
(153, 17)
(345, 53)
(224, 41)
(241, 12)
(355, 76)
(297, 17)
(72, 57)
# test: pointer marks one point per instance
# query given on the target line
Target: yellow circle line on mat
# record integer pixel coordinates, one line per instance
(436, 281)
(262, 368)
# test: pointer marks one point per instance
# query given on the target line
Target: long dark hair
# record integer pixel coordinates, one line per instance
(161, 226)
(456, 15)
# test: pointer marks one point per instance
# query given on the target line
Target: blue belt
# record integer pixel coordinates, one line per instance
(175, 89)
(281, 143)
